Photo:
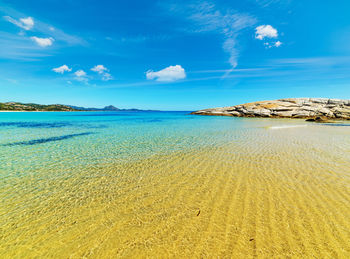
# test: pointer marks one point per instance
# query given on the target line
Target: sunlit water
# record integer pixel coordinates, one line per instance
(167, 184)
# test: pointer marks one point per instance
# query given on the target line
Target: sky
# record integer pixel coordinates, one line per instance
(173, 55)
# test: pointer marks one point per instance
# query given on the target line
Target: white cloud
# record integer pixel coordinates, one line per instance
(28, 23)
(43, 42)
(267, 45)
(278, 43)
(80, 75)
(99, 69)
(102, 70)
(62, 69)
(169, 74)
(265, 31)
(24, 23)
(107, 77)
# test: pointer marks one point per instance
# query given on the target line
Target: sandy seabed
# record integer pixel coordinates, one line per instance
(282, 194)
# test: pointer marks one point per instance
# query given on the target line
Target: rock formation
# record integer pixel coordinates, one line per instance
(307, 108)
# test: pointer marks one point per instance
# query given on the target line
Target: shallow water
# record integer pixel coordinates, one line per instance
(165, 184)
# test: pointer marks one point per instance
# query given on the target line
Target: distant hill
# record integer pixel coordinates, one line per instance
(16, 106)
(107, 108)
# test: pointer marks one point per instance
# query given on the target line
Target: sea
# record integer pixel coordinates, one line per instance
(172, 185)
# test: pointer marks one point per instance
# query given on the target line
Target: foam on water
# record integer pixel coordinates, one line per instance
(172, 185)
(287, 126)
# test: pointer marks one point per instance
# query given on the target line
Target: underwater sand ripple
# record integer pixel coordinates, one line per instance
(267, 194)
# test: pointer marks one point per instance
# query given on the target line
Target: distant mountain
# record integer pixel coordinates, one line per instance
(106, 108)
(79, 108)
(16, 106)
(110, 108)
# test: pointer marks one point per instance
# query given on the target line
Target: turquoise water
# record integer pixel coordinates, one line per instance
(29, 141)
(169, 184)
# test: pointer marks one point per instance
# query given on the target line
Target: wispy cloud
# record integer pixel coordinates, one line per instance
(24, 23)
(332, 61)
(42, 28)
(16, 47)
(107, 77)
(20, 46)
(13, 81)
(214, 71)
(229, 23)
(268, 3)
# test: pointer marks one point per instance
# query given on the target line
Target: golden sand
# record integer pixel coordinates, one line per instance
(285, 194)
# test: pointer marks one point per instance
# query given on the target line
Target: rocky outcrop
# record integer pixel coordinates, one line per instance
(286, 108)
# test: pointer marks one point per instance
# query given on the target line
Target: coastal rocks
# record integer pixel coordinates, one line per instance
(319, 119)
(308, 108)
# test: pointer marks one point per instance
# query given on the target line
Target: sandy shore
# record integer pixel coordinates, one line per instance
(257, 196)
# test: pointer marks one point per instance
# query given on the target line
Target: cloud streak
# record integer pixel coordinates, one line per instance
(28, 23)
(206, 17)
(21, 48)
(24, 23)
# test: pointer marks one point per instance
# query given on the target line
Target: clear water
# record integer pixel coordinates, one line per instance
(167, 184)
(30, 141)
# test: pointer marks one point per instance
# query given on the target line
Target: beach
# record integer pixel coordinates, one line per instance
(104, 185)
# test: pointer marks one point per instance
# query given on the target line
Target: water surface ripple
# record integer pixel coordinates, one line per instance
(172, 185)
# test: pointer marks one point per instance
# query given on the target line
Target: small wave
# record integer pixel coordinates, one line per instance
(287, 126)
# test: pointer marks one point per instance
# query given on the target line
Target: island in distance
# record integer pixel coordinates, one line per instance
(17, 106)
(312, 109)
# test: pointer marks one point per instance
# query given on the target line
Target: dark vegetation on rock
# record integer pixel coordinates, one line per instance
(16, 106)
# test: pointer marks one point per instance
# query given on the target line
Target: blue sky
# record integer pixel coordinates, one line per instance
(173, 55)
